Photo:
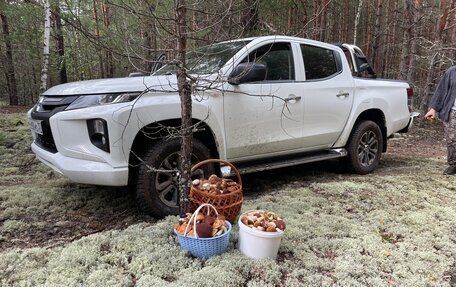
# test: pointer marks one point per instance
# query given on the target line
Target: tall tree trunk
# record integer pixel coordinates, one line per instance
(184, 88)
(60, 44)
(148, 43)
(391, 53)
(290, 19)
(403, 65)
(345, 21)
(9, 71)
(250, 17)
(46, 39)
(358, 15)
(323, 19)
(368, 27)
(450, 31)
(108, 53)
(101, 61)
(316, 16)
(388, 44)
(416, 16)
(376, 37)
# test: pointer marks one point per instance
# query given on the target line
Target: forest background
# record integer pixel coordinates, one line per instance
(395, 227)
(411, 40)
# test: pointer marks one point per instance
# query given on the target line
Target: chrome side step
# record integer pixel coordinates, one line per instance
(249, 167)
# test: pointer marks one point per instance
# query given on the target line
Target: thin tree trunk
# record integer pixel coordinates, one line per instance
(368, 34)
(403, 65)
(46, 39)
(107, 22)
(376, 37)
(101, 61)
(388, 39)
(9, 71)
(186, 104)
(345, 21)
(149, 55)
(453, 35)
(323, 19)
(316, 16)
(391, 53)
(60, 44)
(250, 17)
(358, 15)
(290, 19)
(413, 38)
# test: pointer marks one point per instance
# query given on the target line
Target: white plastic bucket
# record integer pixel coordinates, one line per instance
(258, 244)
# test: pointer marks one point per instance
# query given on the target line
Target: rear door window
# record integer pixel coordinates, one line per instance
(319, 62)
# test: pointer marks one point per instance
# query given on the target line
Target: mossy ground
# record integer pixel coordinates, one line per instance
(394, 227)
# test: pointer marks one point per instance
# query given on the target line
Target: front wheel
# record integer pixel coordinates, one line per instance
(365, 147)
(156, 184)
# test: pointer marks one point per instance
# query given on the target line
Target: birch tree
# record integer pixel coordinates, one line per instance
(358, 16)
(46, 39)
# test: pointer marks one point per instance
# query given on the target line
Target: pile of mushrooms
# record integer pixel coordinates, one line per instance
(206, 226)
(216, 185)
(262, 220)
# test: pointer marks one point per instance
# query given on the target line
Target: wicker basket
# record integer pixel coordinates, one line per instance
(204, 247)
(229, 205)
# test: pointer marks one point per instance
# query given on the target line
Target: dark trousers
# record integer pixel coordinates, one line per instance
(450, 137)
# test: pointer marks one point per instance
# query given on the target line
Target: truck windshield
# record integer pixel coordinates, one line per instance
(207, 59)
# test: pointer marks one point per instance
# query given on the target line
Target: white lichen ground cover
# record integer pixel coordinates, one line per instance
(395, 227)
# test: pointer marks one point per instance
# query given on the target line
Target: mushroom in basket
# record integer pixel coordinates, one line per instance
(263, 221)
(216, 185)
(206, 225)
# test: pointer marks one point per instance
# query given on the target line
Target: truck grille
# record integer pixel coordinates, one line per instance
(46, 107)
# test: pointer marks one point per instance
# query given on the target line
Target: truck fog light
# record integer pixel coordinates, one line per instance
(98, 133)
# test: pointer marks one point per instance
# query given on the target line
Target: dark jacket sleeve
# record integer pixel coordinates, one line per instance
(445, 94)
(440, 95)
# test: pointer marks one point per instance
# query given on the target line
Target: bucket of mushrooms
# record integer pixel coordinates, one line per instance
(260, 233)
(203, 235)
(224, 194)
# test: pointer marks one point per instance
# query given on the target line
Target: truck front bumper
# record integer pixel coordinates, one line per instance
(83, 171)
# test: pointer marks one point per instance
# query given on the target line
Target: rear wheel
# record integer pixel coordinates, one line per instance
(157, 192)
(365, 147)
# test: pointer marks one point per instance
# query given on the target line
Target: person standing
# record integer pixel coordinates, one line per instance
(444, 102)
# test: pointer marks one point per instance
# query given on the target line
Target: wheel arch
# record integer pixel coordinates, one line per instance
(156, 131)
(377, 116)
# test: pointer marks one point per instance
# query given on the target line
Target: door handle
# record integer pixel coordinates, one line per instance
(343, 94)
(292, 99)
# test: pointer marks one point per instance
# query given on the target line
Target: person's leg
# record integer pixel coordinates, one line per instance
(450, 137)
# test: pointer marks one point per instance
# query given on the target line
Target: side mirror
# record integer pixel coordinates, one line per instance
(247, 72)
(136, 74)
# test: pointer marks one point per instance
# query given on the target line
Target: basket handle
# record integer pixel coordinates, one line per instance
(236, 172)
(194, 215)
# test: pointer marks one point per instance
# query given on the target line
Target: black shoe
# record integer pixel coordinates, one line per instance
(450, 170)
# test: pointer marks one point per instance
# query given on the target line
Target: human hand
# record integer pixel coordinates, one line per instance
(430, 115)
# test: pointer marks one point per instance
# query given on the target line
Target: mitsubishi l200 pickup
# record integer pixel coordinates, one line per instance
(259, 103)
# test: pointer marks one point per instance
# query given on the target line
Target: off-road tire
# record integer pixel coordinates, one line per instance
(364, 147)
(157, 192)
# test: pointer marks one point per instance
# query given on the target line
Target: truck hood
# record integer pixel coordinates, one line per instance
(115, 85)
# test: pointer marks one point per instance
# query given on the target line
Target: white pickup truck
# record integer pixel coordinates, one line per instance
(259, 103)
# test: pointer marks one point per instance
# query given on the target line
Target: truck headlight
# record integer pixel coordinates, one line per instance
(98, 133)
(102, 99)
